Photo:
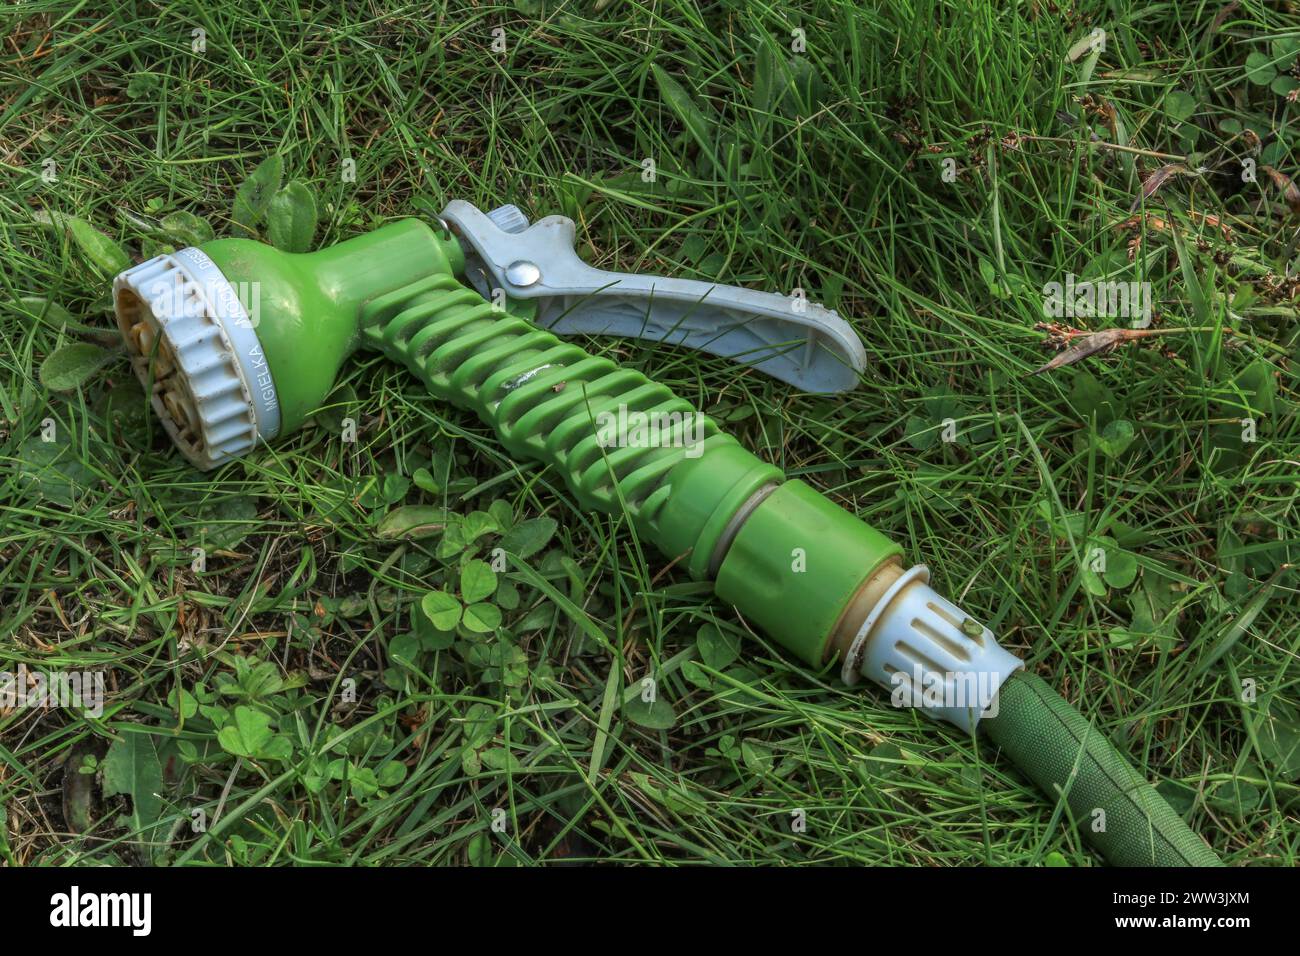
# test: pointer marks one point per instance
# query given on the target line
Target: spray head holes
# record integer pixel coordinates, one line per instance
(195, 350)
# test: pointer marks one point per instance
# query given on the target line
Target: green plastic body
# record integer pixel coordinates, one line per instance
(313, 300)
(796, 564)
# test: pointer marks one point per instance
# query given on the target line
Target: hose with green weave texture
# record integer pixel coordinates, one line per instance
(1054, 745)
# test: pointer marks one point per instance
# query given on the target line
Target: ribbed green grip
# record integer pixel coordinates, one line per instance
(1054, 745)
(544, 398)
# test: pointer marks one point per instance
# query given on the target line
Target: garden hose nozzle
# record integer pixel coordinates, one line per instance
(238, 343)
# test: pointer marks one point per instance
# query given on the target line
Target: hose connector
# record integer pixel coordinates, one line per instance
(929, 653)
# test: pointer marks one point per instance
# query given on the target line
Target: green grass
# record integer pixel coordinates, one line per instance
(823, 174)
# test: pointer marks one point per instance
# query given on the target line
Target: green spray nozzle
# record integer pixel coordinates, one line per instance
(238, 342)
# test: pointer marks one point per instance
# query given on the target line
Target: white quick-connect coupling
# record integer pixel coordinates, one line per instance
(196, 351)
(929, 653)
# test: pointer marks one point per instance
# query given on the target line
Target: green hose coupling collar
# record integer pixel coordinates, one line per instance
(710, 498)
(795, 566)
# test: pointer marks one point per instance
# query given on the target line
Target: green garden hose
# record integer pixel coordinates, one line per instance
(239, 342)
(1127, 821)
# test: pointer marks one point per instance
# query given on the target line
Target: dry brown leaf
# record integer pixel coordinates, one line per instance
(1093, 343)
(1088, 345)
(1112, 120)
(1162, 225)
(1151, 185)
(1287, 186)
